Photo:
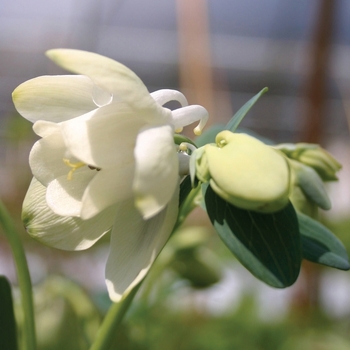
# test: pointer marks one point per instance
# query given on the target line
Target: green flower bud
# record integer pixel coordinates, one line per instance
(197, 267)
(199, 165)
(303, 203)
(245, 172)
(315, 157)
(308, 190)
(186, 253)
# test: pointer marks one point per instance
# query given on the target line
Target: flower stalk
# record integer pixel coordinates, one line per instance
(24, 281)
(112, 320)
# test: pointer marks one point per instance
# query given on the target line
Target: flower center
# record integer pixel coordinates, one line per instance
(75, 166)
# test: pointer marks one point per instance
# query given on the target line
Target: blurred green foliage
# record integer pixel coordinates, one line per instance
(161, 327)
(67, 318)
(18, 129)
(341, 228)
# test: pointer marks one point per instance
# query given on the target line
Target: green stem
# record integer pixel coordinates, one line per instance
(114, 317)
(25, 284)
(107, 331)
(187, 206)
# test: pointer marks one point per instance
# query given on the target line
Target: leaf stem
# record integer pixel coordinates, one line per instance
(115, 314)
(187, 206)
(106, 333)
(25, 284)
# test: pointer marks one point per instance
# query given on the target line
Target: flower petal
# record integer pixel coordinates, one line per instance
(45, 128)
(62, 232)
(104, 137)
(54, 98)
(157, 169)
(166, 95)
(135, 244)
(111, 76)
(64, 195)
(107, 187)
(47, 154)
(187, 115)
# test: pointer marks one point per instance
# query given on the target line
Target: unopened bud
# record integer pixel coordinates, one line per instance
(245, 172)
(313, 156)
(308, 180)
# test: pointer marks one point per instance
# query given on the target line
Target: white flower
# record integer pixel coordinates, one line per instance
(106, 159)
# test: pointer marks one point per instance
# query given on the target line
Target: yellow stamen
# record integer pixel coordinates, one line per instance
(178, 130)
(74, 167)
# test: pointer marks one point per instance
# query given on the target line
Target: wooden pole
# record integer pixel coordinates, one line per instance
(306, 297)
(196, 77)
(316, 83)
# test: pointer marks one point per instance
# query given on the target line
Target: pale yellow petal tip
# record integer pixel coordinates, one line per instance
(56, 54)
(113, 295)
(197, 131)
(17, 93)
(52, 53)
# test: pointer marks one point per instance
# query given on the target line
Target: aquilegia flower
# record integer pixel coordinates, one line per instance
(106, 158)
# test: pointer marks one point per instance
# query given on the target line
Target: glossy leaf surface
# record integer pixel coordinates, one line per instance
(268, 245)
(320, 245)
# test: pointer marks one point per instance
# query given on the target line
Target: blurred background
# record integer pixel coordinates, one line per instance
(219, 54)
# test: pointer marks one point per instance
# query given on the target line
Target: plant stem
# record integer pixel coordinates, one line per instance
(115, 314)
(25, 284)
(187, 206)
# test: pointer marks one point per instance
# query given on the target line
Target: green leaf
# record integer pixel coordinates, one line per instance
(8, 333)
(178, 139)
(185, 189)
(320, 245)
(241, 113)
(268, 245)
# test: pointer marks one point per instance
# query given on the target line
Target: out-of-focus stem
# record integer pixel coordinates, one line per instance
(25, 284)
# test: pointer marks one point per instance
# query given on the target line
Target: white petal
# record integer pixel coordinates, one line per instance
(188, 115)
(111, 76)
(108, 187)
(105, 137)
(64, 196)
(44, 128)
(68, 233)
(46, 157)
(135, 244)
(157, 169)
(54, 98)
(166, 95)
